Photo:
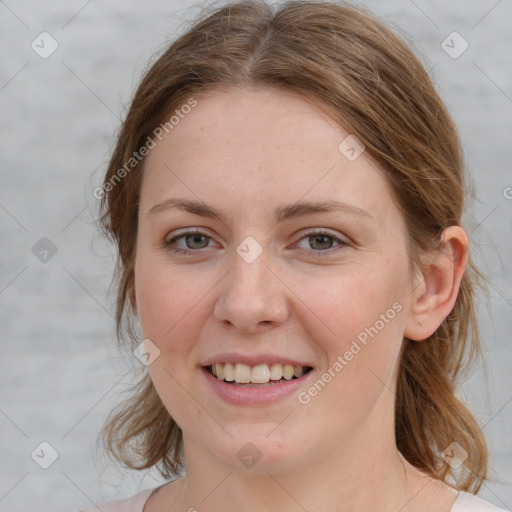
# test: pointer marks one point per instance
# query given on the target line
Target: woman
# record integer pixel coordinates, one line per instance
(286, 196)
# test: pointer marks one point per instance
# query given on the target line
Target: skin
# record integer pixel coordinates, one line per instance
(245, 152)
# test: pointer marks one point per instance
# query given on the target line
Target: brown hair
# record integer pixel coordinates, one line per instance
(370, 82)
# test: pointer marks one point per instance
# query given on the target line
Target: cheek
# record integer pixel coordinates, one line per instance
(169, 308)
(356, 317)
(347, 303)
(171, 303)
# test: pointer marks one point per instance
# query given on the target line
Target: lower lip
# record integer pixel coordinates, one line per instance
(261, 395)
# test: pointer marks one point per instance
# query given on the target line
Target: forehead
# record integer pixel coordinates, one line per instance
(261, 145)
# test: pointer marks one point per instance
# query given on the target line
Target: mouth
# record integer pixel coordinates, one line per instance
(259, 375)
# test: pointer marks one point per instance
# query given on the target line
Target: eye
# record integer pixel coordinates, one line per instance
(321, 242)
(194, 240)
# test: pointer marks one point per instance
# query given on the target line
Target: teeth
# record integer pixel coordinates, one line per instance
(229, 372)
(276, 372)
(259, 374)
(242, 373)
(288, 371)
(219, 371)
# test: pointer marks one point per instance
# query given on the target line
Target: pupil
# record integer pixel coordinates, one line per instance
(194, 238)
(321, 237)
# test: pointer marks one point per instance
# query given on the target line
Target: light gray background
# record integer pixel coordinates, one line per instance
(60, 370)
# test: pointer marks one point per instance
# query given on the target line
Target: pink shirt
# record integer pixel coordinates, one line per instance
(465, 502)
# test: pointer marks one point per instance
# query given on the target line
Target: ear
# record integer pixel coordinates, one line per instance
(435, 292)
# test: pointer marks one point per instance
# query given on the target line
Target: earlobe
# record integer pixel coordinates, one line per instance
(434, 294)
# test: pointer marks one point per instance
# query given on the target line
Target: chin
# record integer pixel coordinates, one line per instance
(252, 449)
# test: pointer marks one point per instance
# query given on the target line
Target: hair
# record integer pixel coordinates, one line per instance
(370, 82)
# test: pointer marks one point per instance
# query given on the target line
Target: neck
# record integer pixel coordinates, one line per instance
(365, 473)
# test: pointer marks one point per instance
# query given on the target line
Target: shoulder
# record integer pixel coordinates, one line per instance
(467, 502)
(134, 504)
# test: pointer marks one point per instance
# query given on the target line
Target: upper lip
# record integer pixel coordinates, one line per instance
(253, 359)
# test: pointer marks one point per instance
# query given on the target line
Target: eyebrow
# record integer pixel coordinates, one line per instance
(281, 213)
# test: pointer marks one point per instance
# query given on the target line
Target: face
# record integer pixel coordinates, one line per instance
(271, 283)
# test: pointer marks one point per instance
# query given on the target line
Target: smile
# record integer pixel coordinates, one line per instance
(244, 374)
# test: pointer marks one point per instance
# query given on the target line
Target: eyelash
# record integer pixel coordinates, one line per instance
(308, 234)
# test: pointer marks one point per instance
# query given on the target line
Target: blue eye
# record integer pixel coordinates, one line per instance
(322, 238)
(194, 235)
(196, 240)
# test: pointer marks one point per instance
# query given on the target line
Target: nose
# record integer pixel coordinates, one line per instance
(252, 298)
